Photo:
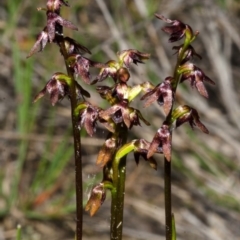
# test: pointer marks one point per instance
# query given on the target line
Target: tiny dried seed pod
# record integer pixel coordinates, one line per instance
(107, 151)
(96, 199)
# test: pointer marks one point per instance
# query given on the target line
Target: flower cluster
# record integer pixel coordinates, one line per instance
(164, 92)
(54, 26)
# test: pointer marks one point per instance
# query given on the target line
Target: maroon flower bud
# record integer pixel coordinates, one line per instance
(96, 199)
(132, 56)
(57, 87)
(196, 77)
(162, 93)
(162, 139)
(107, 152)
(188, 54)
(88, 115)
(177, 30)
(184, 114)
(123, 74)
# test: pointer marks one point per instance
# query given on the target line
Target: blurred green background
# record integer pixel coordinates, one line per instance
(36, 156)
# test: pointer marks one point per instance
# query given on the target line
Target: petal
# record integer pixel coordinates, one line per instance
(201, 88)
(40, 94)
(40, 44)
(152, 163)
(82, 67)
(197, 121)
(54, 96)
(152, 95)
(65, 23)
(161, 17)
(126, 117)
(154, 145)
(167, 147)
(90, 120)
(74, 47)
(109, 112)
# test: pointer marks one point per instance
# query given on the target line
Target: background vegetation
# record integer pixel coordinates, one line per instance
(36, 165)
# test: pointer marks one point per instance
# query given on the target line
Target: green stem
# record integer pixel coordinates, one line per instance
(168, 198)
(167, 164)
(77, 147)
(118, 192)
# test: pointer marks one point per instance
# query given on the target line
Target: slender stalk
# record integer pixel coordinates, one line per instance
(77, 148)
(119, 175)
(168, 198)
(167, 164)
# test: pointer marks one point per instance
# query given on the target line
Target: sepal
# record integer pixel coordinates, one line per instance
(41, 42)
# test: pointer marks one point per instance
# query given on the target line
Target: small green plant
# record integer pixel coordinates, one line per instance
(120, 116)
